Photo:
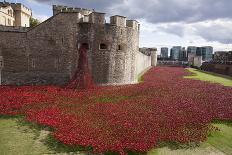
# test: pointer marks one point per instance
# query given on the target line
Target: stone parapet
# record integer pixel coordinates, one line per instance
(13, 28)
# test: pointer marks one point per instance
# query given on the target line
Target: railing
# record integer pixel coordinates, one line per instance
(172, 63)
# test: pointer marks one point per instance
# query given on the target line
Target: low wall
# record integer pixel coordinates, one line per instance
(13, 28)
(143, 62)
(171, 63)
(217, 68)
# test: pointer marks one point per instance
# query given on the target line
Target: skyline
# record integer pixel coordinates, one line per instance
(164, 23)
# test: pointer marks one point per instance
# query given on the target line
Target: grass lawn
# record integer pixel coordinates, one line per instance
(20, 140)
(211, 77)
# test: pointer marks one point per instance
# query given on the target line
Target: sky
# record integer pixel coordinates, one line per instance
(164, 23)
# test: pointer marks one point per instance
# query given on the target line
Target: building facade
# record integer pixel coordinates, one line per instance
(206, 52)
(164, 53)
(14, 14)
(7, 16)
(183, 54)
(192, 49)
(175, 52)
(48, 53)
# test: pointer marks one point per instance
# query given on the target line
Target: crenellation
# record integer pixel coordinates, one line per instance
(97, 18)
(118, 20)
(58, 8)
(133, 24)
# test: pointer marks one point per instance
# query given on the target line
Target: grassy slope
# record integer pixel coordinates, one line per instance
(211, 77)
(219, 142)
(222, 140)
(19, 140)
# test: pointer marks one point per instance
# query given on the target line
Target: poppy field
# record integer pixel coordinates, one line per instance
(164, 108)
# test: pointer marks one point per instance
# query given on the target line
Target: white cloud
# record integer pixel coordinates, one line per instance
(40, 17)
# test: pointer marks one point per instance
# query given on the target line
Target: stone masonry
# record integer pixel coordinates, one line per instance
(48, 53)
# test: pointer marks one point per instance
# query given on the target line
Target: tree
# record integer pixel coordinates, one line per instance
(34, 22)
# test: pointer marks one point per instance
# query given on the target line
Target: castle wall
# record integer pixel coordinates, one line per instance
(13, 49)
(217, 68)
(143, 62)
(43, 55)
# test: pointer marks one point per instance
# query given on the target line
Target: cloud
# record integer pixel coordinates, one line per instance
(217, 30)
(40, 17)
(173, 28)
(157, 11)
(99, 5)
(189, 20)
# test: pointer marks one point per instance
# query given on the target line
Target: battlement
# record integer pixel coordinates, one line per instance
(91, 16)
(21, 7)
(17, 6)
(59, 8)
(97, 18)
(133, 24)
(121, 21)
(118, 20)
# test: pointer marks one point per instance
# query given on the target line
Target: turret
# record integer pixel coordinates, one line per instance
(153, 56)
(118, 20)
(133, 24)
(97, 18)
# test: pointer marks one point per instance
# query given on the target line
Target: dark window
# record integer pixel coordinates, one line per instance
(56, 63)
(119, 47)
(103, 46)
(85, 45)
(33, 63)
(1, 63)
(62, 40)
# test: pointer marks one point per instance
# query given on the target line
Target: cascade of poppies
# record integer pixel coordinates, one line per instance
(82, 78)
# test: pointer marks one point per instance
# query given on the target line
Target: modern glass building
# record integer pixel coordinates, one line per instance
(192, 49)
(164, 52)
(206, 53)
(175, 52)
(183, 54)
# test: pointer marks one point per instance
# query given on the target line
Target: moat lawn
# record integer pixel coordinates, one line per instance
(210, 77)
(18, 137)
